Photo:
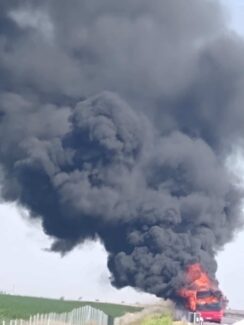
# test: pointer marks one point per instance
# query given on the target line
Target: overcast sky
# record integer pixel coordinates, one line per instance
(231, 261)
(236, 13)
(26, 268)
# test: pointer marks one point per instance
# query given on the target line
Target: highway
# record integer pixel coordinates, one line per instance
(231, 317)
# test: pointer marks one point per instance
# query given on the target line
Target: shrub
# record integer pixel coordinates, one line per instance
(157, 320)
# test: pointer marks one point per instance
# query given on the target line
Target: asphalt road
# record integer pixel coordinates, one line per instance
(229, 320)
(231, 317)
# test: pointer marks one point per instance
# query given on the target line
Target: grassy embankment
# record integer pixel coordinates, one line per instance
(158, 320)
(19, 307)
(160, 313)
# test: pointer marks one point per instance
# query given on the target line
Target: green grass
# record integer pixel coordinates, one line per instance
(14, 307)
(158, 320)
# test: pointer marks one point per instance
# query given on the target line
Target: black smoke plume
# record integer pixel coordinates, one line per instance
(116, 119)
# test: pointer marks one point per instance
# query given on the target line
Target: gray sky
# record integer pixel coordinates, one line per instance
(231, 261)
(27, 269)
(236, 10)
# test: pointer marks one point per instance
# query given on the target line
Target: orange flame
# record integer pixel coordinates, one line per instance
(198, 281)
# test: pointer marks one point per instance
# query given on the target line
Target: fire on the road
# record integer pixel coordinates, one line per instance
(202, 294)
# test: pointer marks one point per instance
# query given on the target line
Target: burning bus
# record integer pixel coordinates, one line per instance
(202, 295)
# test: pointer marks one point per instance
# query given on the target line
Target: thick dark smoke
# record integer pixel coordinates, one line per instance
(116, 119)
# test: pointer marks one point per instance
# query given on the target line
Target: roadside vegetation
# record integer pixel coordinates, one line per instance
(158, 320)
(20, 307)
